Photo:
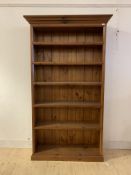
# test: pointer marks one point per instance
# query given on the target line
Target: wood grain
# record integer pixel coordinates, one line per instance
(68, 86)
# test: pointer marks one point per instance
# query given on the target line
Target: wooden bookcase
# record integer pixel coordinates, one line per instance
(67, 63)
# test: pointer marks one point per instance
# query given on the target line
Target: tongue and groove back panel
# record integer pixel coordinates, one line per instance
(67, 61)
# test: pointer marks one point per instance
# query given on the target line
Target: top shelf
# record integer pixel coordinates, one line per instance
(67, 43)
(67, 26)
(37, 63)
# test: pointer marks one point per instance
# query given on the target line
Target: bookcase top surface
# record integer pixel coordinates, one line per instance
(68, 19)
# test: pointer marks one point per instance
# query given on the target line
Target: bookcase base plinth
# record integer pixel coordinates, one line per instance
(36, 157)
(65, 153)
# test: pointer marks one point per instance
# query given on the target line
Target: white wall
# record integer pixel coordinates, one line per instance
(118, 83)
(15, 95)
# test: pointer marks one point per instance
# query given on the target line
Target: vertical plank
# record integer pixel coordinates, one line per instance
(32, 92)
(80, 58)
(56, 90)
(102, 90)
(63, 76)
(63, 113)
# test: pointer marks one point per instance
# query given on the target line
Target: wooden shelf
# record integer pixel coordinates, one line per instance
(68, 44)
(68, 104)
(66, 64)
(67, 83)
(67, 125)
(66, 26)
(68, 152)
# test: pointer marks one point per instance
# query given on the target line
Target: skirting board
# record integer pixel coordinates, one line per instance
(117, 145)
(15, 143)
(28, 144)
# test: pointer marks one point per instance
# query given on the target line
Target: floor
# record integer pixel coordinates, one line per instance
(17, 162)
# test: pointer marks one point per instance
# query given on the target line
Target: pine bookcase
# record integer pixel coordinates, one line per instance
(67, 72)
